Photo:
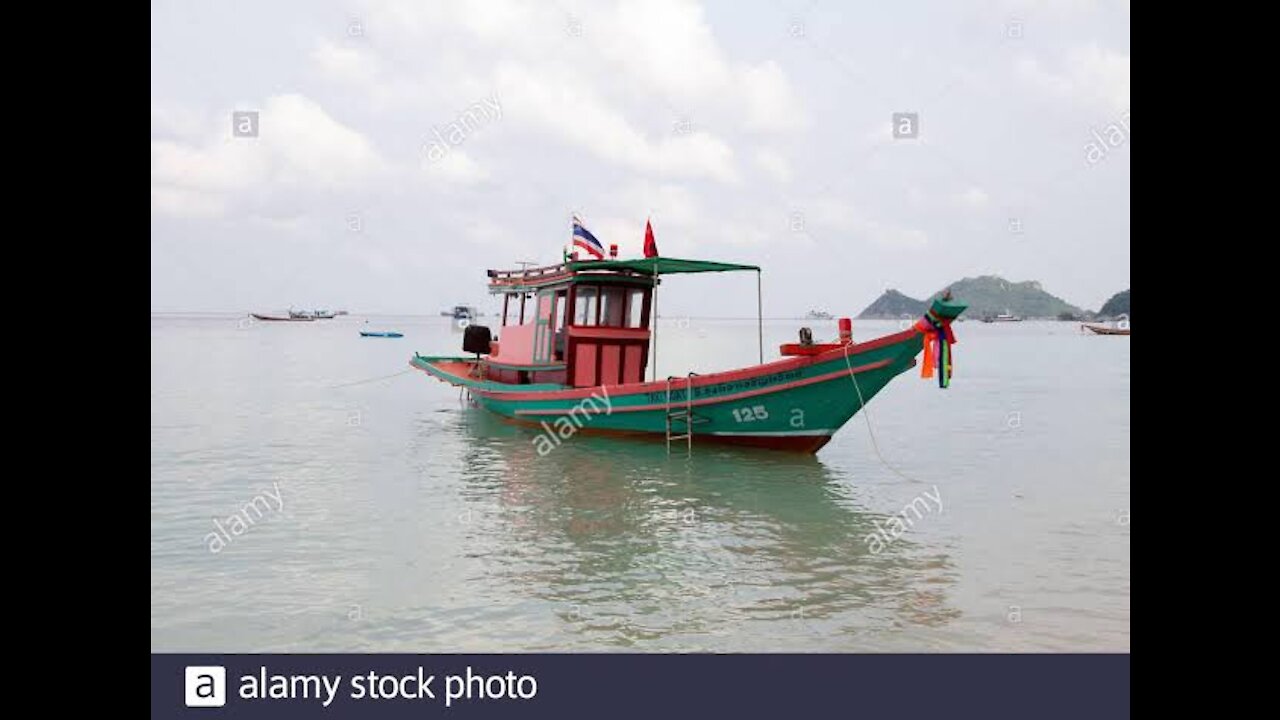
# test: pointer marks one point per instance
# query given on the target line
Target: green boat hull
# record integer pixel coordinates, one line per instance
(795, 404)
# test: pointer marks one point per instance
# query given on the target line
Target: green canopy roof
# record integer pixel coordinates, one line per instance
(660, 266)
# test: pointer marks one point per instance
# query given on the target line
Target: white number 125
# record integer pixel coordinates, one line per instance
(750, 414)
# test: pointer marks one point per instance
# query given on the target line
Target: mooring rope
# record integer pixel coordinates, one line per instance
(371, 380)
(867, 417)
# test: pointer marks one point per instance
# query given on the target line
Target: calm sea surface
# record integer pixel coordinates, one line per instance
(390, 517)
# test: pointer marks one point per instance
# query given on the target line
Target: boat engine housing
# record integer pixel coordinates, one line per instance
(476, 339)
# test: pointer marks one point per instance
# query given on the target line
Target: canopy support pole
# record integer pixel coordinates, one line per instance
(760, 315)
(653, 323)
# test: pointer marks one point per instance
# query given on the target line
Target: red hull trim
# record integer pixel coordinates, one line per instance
(716, 400)
(782, 365)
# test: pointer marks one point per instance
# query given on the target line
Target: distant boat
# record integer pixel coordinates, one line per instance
(311, 314)
(381, 334)
(462, 312)
(291, 317)
(1121, 327)
(1005, 316)
(819, 315)
(1103, 330)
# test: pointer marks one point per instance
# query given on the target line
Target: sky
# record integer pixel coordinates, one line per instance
(403, 147)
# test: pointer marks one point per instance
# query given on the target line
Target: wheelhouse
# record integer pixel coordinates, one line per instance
(580, 323)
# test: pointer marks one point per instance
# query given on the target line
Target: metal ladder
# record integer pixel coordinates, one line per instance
(685, 416)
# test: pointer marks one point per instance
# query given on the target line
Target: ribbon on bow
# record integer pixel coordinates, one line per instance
(938, 340)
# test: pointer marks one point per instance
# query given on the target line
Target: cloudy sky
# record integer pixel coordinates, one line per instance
(405, 146)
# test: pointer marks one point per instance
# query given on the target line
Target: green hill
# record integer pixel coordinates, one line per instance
(893, 305)
(1117, 305)
(985, 295)
(991, 295)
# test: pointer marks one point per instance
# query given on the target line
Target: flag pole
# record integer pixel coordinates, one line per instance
(654, 369)
(760, 315)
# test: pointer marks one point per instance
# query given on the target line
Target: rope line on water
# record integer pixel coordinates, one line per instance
(371, 380)
(867, 417)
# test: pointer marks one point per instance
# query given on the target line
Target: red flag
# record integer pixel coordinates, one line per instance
(650, 247)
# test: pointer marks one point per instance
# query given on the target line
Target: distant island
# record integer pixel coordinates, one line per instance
(1116, 306)
(893, 304)
(987, 296)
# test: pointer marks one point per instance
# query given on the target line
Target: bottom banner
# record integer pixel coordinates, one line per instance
(639, 686)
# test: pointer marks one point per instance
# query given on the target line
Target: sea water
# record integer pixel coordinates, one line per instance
(408, 521)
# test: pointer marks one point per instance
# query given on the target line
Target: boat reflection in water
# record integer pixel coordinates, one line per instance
(729, 550)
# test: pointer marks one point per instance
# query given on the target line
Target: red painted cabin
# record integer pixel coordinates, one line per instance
(572, 325)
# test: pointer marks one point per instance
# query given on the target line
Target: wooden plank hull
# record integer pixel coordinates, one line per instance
(793, 404)
(1104, 330)
(280, 318)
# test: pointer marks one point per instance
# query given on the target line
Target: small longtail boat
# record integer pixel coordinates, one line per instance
(575, 347)
(1104, 330)
(291, 317)
(381, 334)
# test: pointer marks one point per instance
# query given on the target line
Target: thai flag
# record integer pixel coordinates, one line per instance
(584, 239)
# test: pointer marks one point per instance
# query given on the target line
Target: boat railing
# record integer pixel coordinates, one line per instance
(527, 273)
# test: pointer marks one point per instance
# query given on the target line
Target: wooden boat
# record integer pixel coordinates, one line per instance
(1104, 330)
(461, 312)
(381, 334)
(291, 317)
(1005, 316)
(575, 347)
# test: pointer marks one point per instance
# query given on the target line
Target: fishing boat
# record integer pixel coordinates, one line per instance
(819, 315)
(1119, 327)
(576, 342)
(381, 334)
(461, 312)
(1005, 316)
(1104, 330)
(291, 317)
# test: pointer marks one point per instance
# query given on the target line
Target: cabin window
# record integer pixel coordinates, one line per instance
(635, 307)
(557, 328)
(585, 305)
(611, 306)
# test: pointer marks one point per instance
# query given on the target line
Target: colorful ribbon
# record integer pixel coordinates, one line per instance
(938, 340)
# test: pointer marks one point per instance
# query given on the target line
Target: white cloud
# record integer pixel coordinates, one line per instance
(313, 147)
(610, 79)
(299, 146)
(455, 167)
(973, 197)
(183, 202)
(770, 103)
(831, 217)
(1092, 75)
(346, 63)
(578, 116)
(774, 164)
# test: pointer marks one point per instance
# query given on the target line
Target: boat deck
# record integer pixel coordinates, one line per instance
(466, 373)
